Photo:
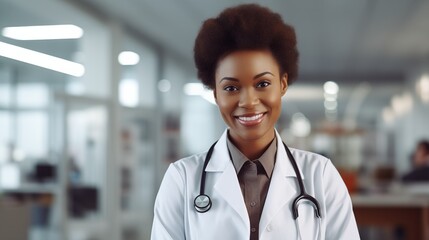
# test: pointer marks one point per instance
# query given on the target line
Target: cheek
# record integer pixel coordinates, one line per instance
(274, 100)
(225, 105)
(221, 103)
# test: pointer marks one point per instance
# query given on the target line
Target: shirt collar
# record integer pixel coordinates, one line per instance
(267, 159)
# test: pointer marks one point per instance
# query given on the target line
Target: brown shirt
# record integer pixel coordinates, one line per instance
(254, 177)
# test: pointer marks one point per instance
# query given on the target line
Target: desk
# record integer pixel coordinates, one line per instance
(407, 211)
(14, 220)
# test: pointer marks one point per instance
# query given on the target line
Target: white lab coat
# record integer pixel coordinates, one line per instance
(175, 217)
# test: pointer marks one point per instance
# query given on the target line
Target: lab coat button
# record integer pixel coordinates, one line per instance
(269, 228)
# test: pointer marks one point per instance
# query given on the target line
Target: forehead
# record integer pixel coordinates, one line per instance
(422, 147)
(247, 62)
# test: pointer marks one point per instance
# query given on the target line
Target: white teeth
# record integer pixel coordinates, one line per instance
(252, 118)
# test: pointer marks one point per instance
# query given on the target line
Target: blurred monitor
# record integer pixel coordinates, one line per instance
(82, 200)
(45, 172)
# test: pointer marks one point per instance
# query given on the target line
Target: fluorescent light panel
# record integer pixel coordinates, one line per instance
(46, 32)
(41, 60)
(128, 58)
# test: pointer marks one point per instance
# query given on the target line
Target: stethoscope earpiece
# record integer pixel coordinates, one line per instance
(202, 203)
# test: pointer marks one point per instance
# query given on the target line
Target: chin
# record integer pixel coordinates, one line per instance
(252, 134)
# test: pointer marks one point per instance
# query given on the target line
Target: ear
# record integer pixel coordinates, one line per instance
(283, 84)
(214, 94)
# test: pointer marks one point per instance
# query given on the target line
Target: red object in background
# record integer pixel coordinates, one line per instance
(350, 179)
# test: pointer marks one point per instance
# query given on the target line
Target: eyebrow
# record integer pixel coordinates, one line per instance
(254, 78)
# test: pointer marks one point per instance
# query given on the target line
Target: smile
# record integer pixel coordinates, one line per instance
(251, 120)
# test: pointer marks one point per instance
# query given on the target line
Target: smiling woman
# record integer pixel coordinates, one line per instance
(249, 184)
(248, 92)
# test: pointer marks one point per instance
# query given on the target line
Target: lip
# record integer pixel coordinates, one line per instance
(250, 119)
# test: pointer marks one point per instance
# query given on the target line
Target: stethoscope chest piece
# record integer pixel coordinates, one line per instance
(202, 203)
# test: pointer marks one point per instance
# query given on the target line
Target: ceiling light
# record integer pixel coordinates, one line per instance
(128, 58)
(164, 85)
(41, 60)
(129, 92)
(331, 88)
(423, 88)
(46, 32)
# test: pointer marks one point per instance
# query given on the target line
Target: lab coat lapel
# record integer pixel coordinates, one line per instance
(226, 184)
(283, 188)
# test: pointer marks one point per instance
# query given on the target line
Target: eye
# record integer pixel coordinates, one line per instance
(230, 88)
(263, 84)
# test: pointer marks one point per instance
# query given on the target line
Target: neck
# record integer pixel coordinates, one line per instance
(253, 148)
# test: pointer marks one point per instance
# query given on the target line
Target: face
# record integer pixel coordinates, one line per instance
(420, 156)
(248, 93)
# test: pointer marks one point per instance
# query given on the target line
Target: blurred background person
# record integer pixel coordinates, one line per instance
(420, 164)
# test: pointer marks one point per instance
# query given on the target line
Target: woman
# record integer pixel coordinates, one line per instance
(248, 57)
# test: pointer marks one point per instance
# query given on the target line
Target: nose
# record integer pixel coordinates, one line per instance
(248, 98)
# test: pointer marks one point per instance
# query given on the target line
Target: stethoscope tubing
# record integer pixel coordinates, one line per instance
(203, 203)
(303, 194)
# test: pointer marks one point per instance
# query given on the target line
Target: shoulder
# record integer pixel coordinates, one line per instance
(317, 168)
(306, 158)
(182, 172)
(420, 174)
(309, 156)
(190, 164)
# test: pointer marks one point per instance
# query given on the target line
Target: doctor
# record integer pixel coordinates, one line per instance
(248, 57)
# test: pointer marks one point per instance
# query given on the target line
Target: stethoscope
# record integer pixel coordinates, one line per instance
(203, 203)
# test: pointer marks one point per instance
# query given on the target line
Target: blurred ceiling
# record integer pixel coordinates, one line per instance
(368, 47)
(345, 39)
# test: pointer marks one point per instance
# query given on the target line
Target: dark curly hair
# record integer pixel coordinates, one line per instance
(424, 144)
(244, 27)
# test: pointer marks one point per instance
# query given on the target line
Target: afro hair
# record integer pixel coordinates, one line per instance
(244, 27)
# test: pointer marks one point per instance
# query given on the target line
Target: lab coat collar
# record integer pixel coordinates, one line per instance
(227, 184)
(285, 167)
(283, 185)
(221, 157)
